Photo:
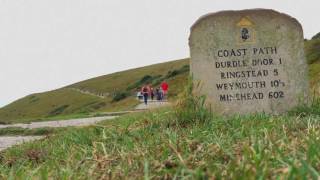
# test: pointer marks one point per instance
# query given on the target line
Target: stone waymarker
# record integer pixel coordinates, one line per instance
(249, 61)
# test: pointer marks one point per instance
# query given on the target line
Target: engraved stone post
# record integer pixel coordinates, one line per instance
(249, 61)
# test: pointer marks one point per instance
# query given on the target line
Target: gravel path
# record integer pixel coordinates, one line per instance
(7, 141)
(61, 123)
(99, 95)
(152, 105)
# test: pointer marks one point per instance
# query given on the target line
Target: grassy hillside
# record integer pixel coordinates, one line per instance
(312, 50)
(116, 92)
(184, 142)
(112, 92)
(317, 36)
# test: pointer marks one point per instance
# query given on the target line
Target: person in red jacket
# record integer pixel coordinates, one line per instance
(165, 88)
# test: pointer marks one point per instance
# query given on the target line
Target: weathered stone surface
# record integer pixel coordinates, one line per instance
(249, 61)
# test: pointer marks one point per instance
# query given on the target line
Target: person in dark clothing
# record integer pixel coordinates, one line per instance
(152, 93)
(159, 94)
(145, 93)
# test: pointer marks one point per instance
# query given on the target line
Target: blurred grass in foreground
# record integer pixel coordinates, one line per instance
(166, 144)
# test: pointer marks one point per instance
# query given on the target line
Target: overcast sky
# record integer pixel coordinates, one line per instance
(47, 44)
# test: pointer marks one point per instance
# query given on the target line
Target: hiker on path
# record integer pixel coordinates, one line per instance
(145, 92)
(165, 88)
(152, 93)
(149, 89)
(158, 94)
(139, 95)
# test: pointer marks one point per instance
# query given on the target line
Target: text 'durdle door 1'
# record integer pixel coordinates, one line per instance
(249, 61)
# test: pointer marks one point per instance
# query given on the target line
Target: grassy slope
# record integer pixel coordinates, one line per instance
(121, 80)
(68, 103)
(312, 49)
(46, 104)
(152, 145)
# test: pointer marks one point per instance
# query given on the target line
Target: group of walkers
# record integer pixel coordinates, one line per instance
(148, 92)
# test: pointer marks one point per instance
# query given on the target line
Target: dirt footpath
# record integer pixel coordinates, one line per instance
(60, 123)
(152, 105)
(7, 141)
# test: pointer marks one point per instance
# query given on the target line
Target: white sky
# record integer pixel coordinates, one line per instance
(47, 44)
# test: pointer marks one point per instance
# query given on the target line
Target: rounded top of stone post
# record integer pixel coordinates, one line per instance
(257, 11)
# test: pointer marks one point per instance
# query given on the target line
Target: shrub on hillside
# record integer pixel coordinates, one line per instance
(120, 96)
(33, 99)
(157, 79)
(99, 105)
(147, 79)
(183, 69)
(58, 110)
(171, 74)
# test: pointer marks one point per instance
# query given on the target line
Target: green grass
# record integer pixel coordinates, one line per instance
(312, 49)
(304, 110)
(314, 76)
(16, 131)
(47, 105)
(187, 142)
(155, 145)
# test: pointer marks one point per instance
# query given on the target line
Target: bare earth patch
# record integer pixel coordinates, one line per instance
(152, 105)
(8, 141)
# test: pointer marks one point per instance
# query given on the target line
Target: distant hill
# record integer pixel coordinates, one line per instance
(317, 36)
(116, 92)
(113, 92)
